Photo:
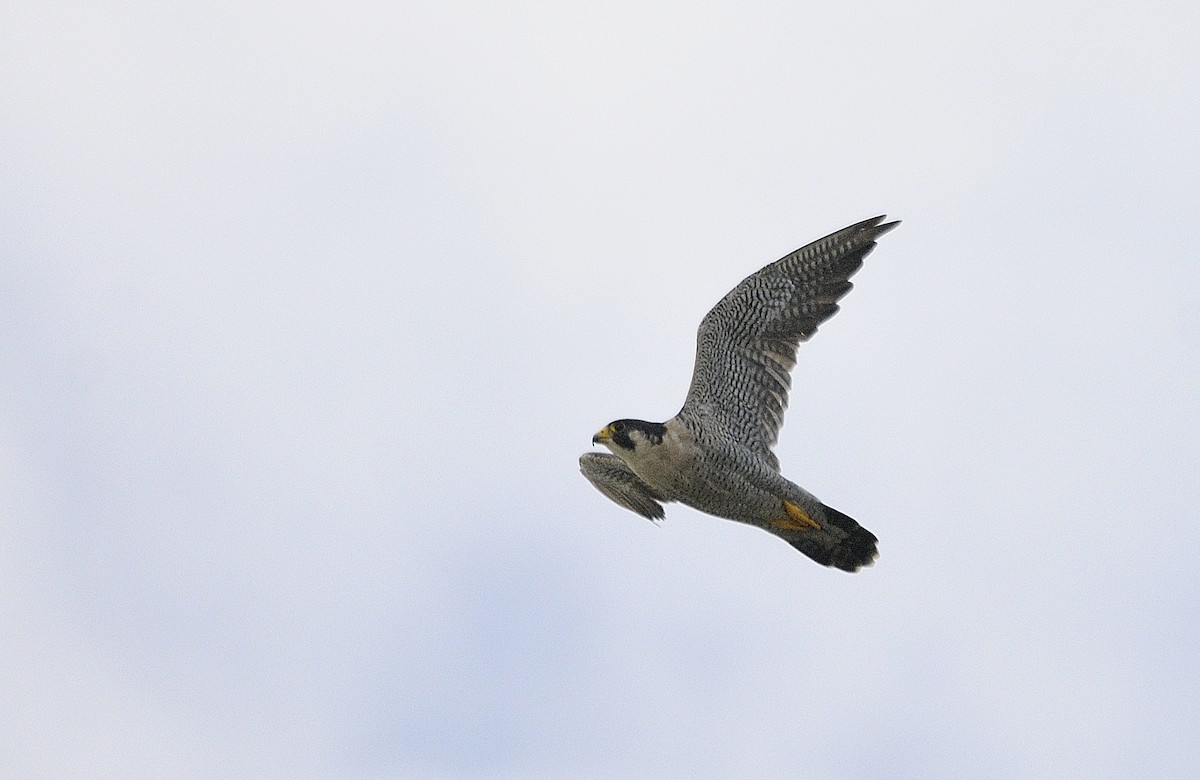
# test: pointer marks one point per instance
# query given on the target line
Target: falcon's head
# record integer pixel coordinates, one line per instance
(629, 435)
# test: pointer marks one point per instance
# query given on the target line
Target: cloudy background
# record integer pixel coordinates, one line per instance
(308, 311)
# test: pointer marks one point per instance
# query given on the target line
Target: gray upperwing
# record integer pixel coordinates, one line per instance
(746, 346)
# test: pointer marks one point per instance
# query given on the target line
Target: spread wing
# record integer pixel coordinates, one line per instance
(746, 345)
(614, 479)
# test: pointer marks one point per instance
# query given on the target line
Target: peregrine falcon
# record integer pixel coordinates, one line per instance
(715, 455)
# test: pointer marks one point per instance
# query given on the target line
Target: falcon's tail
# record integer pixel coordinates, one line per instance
(841, 542)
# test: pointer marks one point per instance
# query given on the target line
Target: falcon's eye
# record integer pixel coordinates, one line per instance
(618, 426)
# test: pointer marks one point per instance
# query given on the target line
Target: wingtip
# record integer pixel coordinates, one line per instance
(875, 223)
(886, 226)
(869, 228)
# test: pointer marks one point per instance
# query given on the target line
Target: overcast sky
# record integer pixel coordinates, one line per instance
(309, 309)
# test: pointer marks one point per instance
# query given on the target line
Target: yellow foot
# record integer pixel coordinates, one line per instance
(797, 519)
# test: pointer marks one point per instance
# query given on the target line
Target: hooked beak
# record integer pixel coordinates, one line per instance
(603, 436)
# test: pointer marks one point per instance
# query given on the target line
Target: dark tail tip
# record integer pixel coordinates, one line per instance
(843, 543)
(857, 548)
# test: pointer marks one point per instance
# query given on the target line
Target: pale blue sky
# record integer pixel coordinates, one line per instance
(309, 311)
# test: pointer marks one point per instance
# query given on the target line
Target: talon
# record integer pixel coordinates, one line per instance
(797, 519)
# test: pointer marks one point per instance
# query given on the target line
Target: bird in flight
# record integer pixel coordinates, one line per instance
(715, 454)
